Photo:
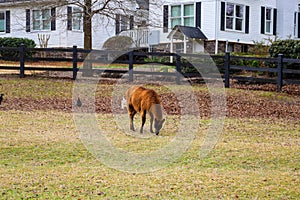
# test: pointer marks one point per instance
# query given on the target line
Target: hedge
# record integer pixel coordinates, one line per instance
(289, 48)
(15, 43)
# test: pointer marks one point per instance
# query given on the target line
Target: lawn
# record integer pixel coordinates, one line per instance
(42, 154)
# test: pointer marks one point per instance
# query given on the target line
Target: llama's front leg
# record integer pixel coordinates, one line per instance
(143, 115)
(131, 115)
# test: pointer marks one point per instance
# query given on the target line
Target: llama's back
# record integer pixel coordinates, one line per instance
(142, 98)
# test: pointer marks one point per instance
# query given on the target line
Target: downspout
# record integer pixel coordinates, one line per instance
(216, 26)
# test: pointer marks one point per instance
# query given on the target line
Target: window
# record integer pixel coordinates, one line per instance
(41, 19)
(2, 22)
(182, 15)
(76, 18)
(124, 23)
(268, 21)
(234, 17)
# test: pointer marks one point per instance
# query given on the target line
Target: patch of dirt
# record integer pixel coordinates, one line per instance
(240, 103)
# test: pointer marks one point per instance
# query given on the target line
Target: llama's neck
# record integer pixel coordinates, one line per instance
(156, 110)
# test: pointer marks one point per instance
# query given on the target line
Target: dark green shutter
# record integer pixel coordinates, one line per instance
(27, 20)
(247, 19)
(198, 14)
(262, 20)
(69, 18)
(274, 21)
(7, 17)
(222, 16)
(53, 19)
(131, 22)
(117, 24)
(165, 18)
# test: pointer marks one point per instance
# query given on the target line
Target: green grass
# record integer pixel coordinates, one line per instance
(42, 156)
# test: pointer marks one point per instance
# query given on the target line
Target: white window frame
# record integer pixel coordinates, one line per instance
(44, 23)
(77, 19)
(234, 18)
(182, 17)
(269, 22)
(4, 22)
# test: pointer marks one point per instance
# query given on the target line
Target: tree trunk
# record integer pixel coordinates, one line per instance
(87, 28)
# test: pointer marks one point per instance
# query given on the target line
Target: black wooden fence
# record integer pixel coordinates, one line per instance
(75, 55)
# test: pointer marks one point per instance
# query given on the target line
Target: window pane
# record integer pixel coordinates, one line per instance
(238, 24)
(229, 23)
(189, 10)
(2, 26)
(46, 19)
(2, 16)
(268, 14)
(45, 14)
(76, 25)
(176, 21)
(36, 25)
(175, 11)
(229, 9)
(46, 25)
(2, 22)
(268, 27)
(239, 11)
(189, 21)
(36, 14)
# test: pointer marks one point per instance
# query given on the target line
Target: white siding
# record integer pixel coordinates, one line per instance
(286, 18)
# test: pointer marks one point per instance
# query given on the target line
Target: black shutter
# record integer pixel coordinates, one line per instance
(69, 16)
(117, 24)
(165, 18)
(7, 17)
(131, 22)
(298, 27)
(262, 20)
(222, 16)
(274, 21)
(247, 19)
(198, 14)
(27, 20)
(53, 19)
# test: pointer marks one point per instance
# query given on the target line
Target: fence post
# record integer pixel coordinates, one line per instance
(22, 60)
(131, 66)
(75, 59)
(178, 68)
(227, 69)
(279, 72)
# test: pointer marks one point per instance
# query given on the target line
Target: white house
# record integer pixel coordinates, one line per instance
(236, 23)
(62, 21)
(223, 24)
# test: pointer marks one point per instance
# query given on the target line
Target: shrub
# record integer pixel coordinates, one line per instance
(15, 42)
(289, 48)
(118, 43)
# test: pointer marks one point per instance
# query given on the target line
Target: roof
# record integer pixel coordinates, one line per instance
(188, 31)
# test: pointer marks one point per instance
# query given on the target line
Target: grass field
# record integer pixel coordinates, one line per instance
(42, 156)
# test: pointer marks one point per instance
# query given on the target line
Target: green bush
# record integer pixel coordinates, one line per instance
(289, 48)
(15, 43)
(118, 43)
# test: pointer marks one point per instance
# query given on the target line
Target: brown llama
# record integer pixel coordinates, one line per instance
(145, 101)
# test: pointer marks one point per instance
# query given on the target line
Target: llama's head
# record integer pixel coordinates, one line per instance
(158, 124)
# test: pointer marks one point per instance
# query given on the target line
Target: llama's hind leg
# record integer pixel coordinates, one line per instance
(143, 116)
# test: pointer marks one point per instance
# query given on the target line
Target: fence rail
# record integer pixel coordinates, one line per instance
(74, 56)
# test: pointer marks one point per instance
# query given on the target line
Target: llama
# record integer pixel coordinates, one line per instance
(145, 101)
